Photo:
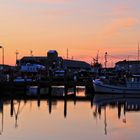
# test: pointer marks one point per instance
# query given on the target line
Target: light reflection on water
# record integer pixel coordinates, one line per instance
(56, 90)
(103, 117)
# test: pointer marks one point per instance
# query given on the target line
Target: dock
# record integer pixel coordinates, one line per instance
(22, 86)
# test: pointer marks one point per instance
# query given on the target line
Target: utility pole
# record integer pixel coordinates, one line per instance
(31, 53)
(97, 57)
(17, 53)
(2, 55)
(105, 59)
(138, 52)
(67, 53)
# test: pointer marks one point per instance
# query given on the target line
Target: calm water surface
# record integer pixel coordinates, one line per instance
(106, 117)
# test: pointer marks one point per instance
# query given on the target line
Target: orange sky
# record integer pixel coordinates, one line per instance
(83, 27)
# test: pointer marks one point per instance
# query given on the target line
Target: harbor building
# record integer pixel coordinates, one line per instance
(54, 62)
(128, 66)
(75, 65)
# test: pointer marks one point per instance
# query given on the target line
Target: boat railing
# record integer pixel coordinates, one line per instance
(133, 84)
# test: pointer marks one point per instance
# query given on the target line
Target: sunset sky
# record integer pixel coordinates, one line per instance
(83, 26)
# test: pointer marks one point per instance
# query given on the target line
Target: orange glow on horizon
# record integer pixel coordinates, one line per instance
(43, 25)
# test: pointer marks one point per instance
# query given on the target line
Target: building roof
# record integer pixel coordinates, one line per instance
(76, 64)
(128, 62)
(33, 57)
(52, 51)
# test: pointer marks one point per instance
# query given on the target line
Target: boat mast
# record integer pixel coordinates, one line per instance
(105, 59)
(17, 53)
(95, 60)
(138, 52)
(67, 54)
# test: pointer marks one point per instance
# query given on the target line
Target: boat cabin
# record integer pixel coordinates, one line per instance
(133, 81)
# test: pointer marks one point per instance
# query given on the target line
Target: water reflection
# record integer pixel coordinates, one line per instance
(100, 107)
(17, 105)
(1, 111)
(123, 103)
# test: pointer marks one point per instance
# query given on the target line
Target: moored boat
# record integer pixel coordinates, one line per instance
(131, 85)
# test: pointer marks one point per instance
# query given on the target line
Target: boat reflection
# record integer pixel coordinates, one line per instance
(123, 103)
(99, 106)
(128, 102)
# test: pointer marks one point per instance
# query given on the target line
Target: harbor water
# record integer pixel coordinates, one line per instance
(103, 117)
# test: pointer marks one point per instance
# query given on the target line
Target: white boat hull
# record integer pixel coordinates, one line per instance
(104, 88)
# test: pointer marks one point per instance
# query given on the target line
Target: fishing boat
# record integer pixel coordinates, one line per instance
(130, 86)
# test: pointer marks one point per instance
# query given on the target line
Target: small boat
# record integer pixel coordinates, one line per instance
(130, 86)
(22, 80)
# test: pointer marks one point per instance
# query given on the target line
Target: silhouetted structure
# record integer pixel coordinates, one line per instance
(53, 61)
(129, 66)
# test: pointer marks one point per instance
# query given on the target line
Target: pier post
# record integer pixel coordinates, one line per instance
(38, 89)
(38, 101)
(89, 89)
(50, 105)
(91, 101)
(50, 91)
(65, 83)
(74, 90)
(65, 108)
(12, 107)
(66, 90)
(119, 110)
(50, 99)
(38, 95)
(75, 95)
(12, 98)
(25, 88)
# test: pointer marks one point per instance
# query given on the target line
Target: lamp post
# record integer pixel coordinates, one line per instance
(17, 53)
(105, 59)
(2, 54)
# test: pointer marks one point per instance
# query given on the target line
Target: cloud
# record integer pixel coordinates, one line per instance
(121, 10)
(119, 25)
(118, 9)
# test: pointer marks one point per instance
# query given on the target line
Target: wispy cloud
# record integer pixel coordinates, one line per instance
(118, 9)
(119, 25)
(121, 10)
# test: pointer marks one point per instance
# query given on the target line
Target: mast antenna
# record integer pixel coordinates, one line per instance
(138, 52)
(105, 59)
(67, 53)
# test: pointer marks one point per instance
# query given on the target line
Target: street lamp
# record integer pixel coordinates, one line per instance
(17, 53)
(2, 54)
